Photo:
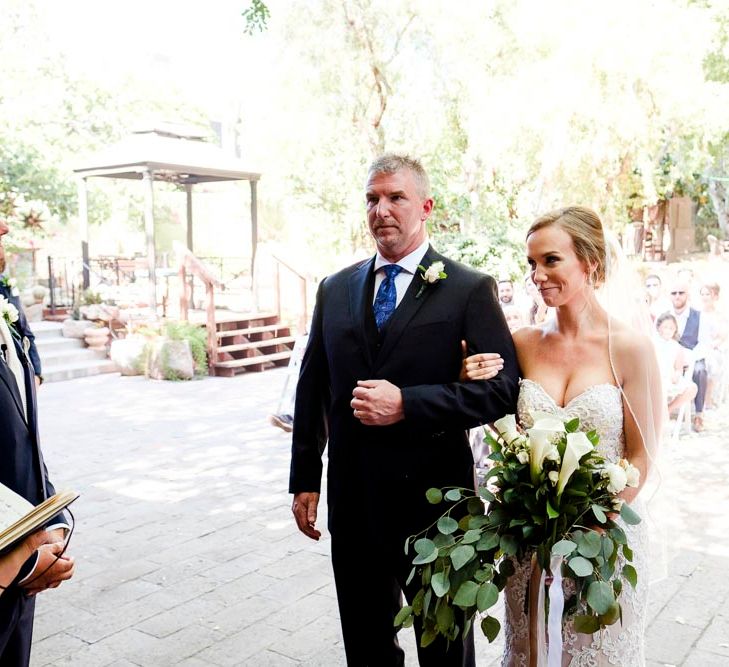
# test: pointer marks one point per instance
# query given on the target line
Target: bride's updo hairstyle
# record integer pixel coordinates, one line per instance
(585, 229)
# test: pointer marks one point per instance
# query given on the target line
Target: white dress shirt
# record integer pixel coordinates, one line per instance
(409, 265)
(703, 347)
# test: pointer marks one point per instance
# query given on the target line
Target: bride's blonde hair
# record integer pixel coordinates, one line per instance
(586, 231)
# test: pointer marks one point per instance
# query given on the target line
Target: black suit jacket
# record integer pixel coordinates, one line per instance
(23, 470)
(23, 327)
(377, 472)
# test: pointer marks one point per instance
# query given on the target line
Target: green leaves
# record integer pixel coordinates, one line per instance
(599, 513)
(631, 576)
(563, 548)
(587, 624)
(589, 544)
(440, 583)
(629, 515)
(426, 550)
(453, 495)
(488, 541)
(402, 616)
(600, 596)
(461, 555)
(487, 596)
(447, 525)
(466, 595)
(580, 566)
(490, 627)
(434, 496)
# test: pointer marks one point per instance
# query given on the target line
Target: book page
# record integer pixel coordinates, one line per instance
(12, 507)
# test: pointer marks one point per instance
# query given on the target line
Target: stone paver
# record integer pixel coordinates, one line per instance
(187, 554)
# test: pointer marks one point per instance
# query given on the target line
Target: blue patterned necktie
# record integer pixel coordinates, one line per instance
(386, 299)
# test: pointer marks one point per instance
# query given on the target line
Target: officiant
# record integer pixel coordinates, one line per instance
(23, 470)
(379, 385)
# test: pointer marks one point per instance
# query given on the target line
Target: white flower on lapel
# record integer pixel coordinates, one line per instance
(11, 284)
(431, 275)
(8, 311)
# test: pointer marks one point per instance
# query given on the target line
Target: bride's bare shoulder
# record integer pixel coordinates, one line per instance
(527, 336)
(631, 346)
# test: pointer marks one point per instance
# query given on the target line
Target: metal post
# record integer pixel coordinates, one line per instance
(52, 285)
(148, 178)
(188, 192)
(254, 237)
(83, 215)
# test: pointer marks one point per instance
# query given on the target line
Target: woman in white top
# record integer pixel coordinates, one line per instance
(672, 360)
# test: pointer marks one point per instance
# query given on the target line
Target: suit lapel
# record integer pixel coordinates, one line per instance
(408, 307)
(9, 379)
(358, 291)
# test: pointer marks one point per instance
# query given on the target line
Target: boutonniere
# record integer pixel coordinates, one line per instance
(10, 314)
(431, 276)
(11, 284)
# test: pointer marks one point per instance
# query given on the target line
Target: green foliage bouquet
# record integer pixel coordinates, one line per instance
(545, 494)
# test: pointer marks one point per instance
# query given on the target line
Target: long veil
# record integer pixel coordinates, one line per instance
(645, 406)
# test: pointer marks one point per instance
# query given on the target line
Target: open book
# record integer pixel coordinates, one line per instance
(19, 518)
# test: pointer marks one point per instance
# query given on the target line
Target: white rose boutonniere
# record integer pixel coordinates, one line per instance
(9, 313)
(11, 284)
(431, 275)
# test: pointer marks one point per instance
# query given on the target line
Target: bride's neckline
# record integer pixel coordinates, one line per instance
(574, 398)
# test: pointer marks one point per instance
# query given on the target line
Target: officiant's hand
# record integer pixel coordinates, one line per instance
(483, 366)
(50, 570)
(377, 403)
(304, 508)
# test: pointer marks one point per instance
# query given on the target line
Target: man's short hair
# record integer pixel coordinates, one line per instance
(508, 281)
(391, 163)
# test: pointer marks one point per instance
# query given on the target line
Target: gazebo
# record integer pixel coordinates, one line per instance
(170, 153)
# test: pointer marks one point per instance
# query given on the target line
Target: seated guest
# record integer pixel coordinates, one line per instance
(672, 359)
(716, 359)
(506, 292)
(514, 318)
(657, 301)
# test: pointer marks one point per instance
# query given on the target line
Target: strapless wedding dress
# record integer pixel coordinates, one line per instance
(599, 407)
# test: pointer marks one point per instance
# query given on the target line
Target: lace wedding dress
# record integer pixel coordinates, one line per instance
(599, 407)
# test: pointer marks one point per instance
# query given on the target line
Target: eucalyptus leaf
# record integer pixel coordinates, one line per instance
(599, 513)
(507, 567)
(581, 566)
(440, 583)
(410, 576)
(563, 548)
(467, 627)
(475, 506)
(611, 615)
(447, 525)
(587, 624)
(466, 594)
(453, 495)
(477, 522)
(630, 575)
(403, 614)
(484, 573)
(434, 496)
(444, 617)
(490, 626)
(589, 544)
(627, 552)
(485, 494)
(618, 534)
(428, 637)
(600, 596)
(418, 602)
(471, 536)
(488, 594)
(629, 515)
(509, 544)
(424, 546)
(461, 555)
(422, 560)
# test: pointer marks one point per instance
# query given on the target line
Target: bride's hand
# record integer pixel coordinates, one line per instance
(482, 366)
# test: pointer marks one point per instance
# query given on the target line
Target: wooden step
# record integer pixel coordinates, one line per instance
(268, 328)
(237, 321)
(266, 342)
(260, 362)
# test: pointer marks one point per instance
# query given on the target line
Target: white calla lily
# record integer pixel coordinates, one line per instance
(544, 421)
(506, 428)
(578, 444)
(540, 442)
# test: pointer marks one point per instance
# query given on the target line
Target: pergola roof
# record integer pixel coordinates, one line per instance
(170, 156)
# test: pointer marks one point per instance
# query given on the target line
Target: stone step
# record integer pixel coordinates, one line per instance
(46, 329)
(69, 356)
(51, 345)
(79, 369)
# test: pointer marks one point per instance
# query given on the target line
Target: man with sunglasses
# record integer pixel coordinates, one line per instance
(694, 335)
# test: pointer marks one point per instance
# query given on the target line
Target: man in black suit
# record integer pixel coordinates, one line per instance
(22, 469)
(380, 384)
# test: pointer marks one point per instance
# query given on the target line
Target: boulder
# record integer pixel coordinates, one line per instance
(74, 328)
(170, 360)
(128, 354)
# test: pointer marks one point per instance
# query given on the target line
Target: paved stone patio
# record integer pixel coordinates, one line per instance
(187, 553)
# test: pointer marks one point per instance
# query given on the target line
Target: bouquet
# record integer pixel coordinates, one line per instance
(550, 496)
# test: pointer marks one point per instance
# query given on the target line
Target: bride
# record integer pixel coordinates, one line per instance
(582, 364)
